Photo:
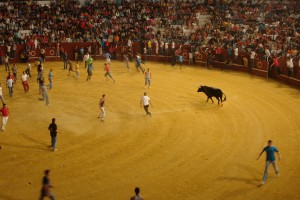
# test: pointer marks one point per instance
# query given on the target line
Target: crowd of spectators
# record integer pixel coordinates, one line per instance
(263, 29)
(95, 20)
(269, 28)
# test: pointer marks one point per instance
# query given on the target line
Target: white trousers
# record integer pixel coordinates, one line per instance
(102, 114)
(4, 122)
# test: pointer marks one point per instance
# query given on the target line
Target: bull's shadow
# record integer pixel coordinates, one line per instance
(203, 105)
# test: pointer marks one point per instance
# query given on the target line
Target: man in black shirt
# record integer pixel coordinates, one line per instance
(45, 192)
(53, 132)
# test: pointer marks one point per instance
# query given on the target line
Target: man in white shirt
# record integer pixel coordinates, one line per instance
(85, 58)
(28, 69)
(173, 47)
(252, 57)
(236, 54)
(9, 84)
(6, 63)
(129, 43)
(191, 58)
(290, 67)
(145, 101)
(166, 48)
(148, 78)
(25, 82)
(8, 49)
(162, 44)
(268, 54)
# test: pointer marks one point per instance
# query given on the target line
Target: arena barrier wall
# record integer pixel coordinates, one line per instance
(260, 68)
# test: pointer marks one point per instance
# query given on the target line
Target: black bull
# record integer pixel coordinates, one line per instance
(212, 92)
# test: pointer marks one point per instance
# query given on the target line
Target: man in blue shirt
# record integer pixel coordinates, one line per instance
(270, 151)
(180, 58)
(107, 57)
(138, 63)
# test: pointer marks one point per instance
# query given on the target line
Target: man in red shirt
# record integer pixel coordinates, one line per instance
(275, 64)
(107, 70)
(5, 113)
(219, 54)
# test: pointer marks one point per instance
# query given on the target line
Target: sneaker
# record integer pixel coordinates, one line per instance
(54, 150)
(263, 182)
(278, 175)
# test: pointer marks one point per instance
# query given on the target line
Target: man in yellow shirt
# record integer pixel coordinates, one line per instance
(149, 43)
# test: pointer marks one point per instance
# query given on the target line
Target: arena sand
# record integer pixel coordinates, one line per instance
(189, 149)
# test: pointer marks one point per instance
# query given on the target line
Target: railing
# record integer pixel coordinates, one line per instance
(260, 66)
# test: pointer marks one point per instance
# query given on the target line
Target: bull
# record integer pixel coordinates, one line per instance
(212, 92)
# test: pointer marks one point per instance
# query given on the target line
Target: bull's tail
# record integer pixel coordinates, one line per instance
(224, 97)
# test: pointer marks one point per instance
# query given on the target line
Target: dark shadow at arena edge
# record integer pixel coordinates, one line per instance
(203, 105)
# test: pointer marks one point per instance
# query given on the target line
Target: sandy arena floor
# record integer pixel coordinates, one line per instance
(188, 150)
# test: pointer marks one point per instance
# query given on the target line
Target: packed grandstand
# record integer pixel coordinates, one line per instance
(268, 28)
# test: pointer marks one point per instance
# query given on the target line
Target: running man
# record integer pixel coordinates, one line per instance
(28, 69)
(145, 101)
(6, 62)
(5, 114)
(50, 78)
(45, 93)
(90, 72)
(25, 82)
(102, 107)
(85, 58)
(45, 192)
(148, 77)
(126, 61)
(270, 159)
(15, 70)
(138, 63)
(77, 70)
(70, 68)
(107, 69)
(107, 57)
(41, 81)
